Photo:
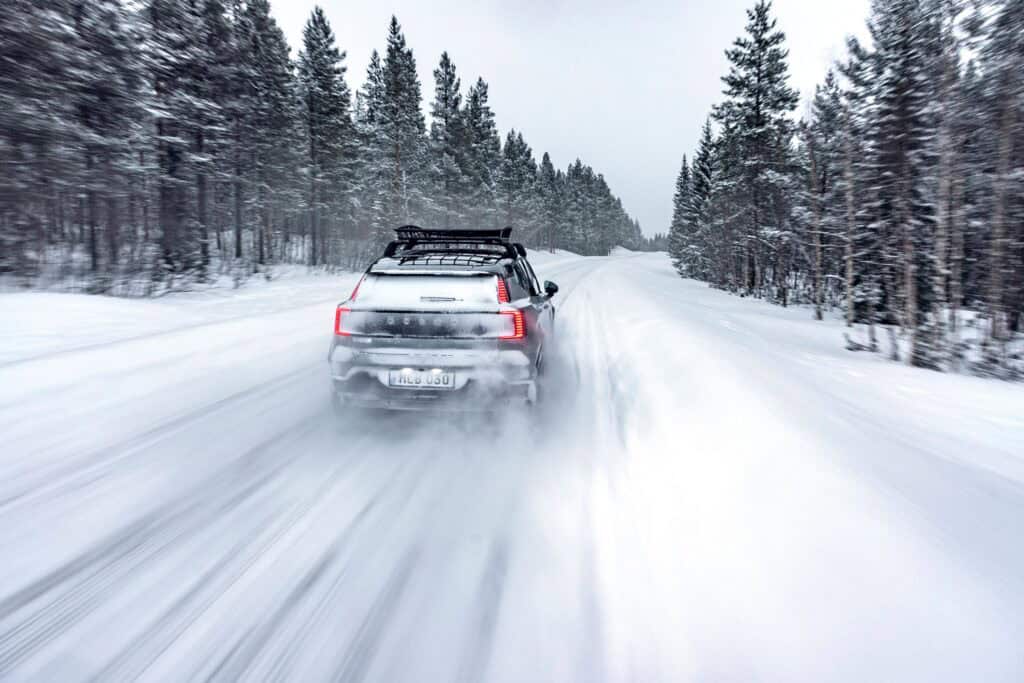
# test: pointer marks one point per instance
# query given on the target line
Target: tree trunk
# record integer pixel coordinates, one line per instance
(956, 267)
(94, 249)
(944, 222)
(145, 199)
(910, 280)
(816, 198)
(264, 231)
(999, 240)
(113, 231)
(237, 186)
(202, 209)
(851, 226)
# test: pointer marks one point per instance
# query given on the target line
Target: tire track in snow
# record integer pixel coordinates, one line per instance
(238, 662)
(217, 580)
(407, 550)
(63, 476)
(361, 649)
(122, 372)
(484, 623)
(397, 499)
(83, 348)
(81, 584)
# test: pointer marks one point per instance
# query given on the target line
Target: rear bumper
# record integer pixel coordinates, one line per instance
(362, 392)
(485, 379)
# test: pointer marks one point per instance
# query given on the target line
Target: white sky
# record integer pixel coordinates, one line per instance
(625, 86)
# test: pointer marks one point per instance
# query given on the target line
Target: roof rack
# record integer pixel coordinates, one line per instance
(418, 243)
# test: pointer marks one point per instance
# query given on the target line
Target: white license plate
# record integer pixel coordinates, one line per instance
(421, 379)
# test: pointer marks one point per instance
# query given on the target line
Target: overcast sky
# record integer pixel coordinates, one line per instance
(624, 86)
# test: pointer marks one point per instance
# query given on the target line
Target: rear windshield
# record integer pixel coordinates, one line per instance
(428, 291)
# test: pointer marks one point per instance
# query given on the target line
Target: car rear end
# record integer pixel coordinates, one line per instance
(444, 337)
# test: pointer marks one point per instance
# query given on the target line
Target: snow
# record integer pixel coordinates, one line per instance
(715, 491)
(411, 292)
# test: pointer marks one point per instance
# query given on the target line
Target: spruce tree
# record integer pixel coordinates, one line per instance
(698, 217)
(518, 173)
(1003, 62)
(549, 200)
(900, 138)
(402, 129)
(483, 155)
(271, 119)
(180, 61)
(678, 243)
(756, 114)
(374, 176)
(447, 133)
(326, 102)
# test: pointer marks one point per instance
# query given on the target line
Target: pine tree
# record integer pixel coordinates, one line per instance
(756, 114)
(820, 205)
(483, 155)
(1003, 60)
(678, 239)
(447, 133)
(518, 173)
(102, 89)
(181, 62)
(171, 138)
(34, 118)
(549, 201)
(698, 217)
(900, 155)
(373, 173)
(326, 102)
(402, 129)
(271, 119)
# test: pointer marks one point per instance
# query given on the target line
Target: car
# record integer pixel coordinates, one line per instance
(444, 319)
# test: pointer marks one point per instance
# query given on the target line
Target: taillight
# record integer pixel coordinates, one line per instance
(355, 291)
(338, 320)
(518, 325)
(502, 291)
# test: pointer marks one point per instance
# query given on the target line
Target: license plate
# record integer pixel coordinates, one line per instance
(421, 379)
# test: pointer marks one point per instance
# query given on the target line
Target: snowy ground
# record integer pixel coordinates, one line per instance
(717, 492)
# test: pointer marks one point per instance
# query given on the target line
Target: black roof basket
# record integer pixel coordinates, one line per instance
(416, 241)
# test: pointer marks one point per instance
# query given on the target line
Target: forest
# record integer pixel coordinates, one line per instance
(154, 146)
(896, 197)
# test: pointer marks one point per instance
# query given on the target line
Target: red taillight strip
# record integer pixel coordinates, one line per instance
(337, 321)
(502, 291)
(518, 325)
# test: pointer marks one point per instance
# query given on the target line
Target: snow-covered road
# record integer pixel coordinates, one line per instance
(716, 492)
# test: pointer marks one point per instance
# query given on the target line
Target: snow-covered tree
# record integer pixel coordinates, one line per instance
(447, 135)
(755, 114)
(679, 242)
(483, 155)
(328, 125)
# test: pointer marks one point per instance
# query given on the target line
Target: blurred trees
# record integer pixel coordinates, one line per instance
(900, 195)
(155, 144)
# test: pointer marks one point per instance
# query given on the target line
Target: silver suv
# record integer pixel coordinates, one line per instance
(450, 319)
